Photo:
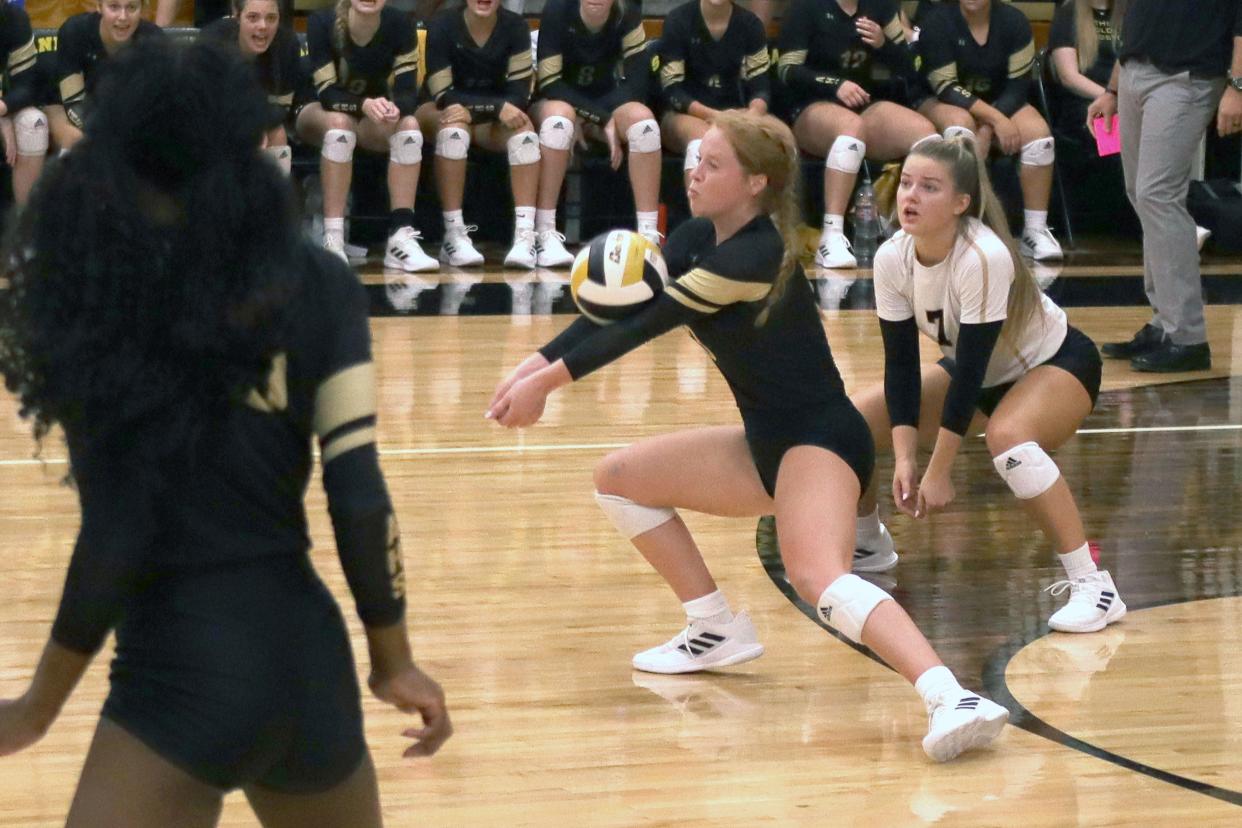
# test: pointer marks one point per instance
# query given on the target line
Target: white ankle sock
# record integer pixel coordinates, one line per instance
(545, 220)
(1035, 219)
(524, 218)
(868, 528)
(1078, 563)
(712, 607)
(935, 684)
(334, 228)
(834, 225)
(648, 222)
(453, 221)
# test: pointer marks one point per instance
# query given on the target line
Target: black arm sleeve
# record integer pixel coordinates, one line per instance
(896, 52)
(940, 62)
(611, 342)
(367, 540)
(118, 528)
(755, 76)
(71, 69)
(974, 350)
(405, 68)
(673, 41)
(902, 383)
(1017, 90)
(794, 44)
(568, 339)
(323, 63)
(23, 88)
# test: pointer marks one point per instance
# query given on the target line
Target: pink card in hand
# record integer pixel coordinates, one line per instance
(1107, 139)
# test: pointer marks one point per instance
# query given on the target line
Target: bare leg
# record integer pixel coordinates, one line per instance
(352, 804)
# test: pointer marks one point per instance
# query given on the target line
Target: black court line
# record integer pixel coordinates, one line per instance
(994, 674)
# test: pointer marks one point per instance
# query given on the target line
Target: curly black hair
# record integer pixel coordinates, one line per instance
(149, 277)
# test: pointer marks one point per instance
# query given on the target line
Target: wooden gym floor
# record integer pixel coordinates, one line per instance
(526, 605)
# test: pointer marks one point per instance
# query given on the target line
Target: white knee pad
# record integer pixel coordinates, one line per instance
(630, 518)
(523, 149)
(847, 603)
(31, 128)
(406, 147)
(283, 156)
(338, 145)
(1027, 469)
(1039, 153)
(452, 143)
(926, 139)
(644, 136)
(692, 154)
(557, 132)
(846, 154)
(955, 131)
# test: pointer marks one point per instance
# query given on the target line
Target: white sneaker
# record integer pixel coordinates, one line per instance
(336, 247)
(550, 249)
(1041, 245)
(961, 722)
(403, 290)
(525, 251)
(1093, 604)
(703, 646)
(458, 251)
(405, 253)
(834, 252)
(355, 251)
(1202, 234)
(879, 556)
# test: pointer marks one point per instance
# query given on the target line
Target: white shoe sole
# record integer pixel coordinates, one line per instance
(528, 264)
(970, 735)
(468, 263)
(566, 262)
(748, 653)
(1047, 257)
(843, 264)
(880, 562)
(1114, 614)
(397, 264)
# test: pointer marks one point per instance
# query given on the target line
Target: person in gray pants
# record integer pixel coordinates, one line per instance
(1166, 85)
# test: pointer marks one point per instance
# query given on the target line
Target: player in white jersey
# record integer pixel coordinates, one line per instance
(1011, 364)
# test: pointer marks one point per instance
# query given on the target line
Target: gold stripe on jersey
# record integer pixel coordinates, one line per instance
(347, 395)
(324, 76)
(944, 76)
(396, 565)
(439, 82)
(672, 72)
(795, 58)
(675, 291)
(276, 398)
(893, 30)
(520, 65)
(1020, 61)
(23, 57)
(407, 62)
(755, 65)
(347, 442)
(712, 291)
(550, 70)
(634, 41)
(281, 100)
(72, 88)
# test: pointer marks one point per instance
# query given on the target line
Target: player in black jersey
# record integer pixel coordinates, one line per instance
(713, 57)
(355, 48)
(82, 44)
(802, 450)
(479, 75)
(592, 80)
(850, 91)
(978, 60)
(255, 30)
(23, 126)
(189, 403)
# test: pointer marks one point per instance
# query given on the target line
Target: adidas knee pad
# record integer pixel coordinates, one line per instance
(1039, 153)
(643, 136)
(283, 156)
(956, 131)
(557, 132)
(523, 149)
(630, 518)
(338, 145)
(1027, 469)
(31, 128)
(406, 147)
(692, 154)
(452, 143)
(846, 154)
(847, 603)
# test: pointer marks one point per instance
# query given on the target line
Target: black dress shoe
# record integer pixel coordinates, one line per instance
(1169, 358)
(1148, 338)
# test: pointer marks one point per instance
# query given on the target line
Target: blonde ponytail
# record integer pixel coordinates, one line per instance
(340, 27)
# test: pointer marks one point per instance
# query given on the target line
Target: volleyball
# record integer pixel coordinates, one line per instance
(616, 274)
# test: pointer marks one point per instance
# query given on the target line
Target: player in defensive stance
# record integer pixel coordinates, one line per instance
(802, 450)
(1010, 361)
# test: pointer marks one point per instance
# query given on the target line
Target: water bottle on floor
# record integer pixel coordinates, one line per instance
(866, 224)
